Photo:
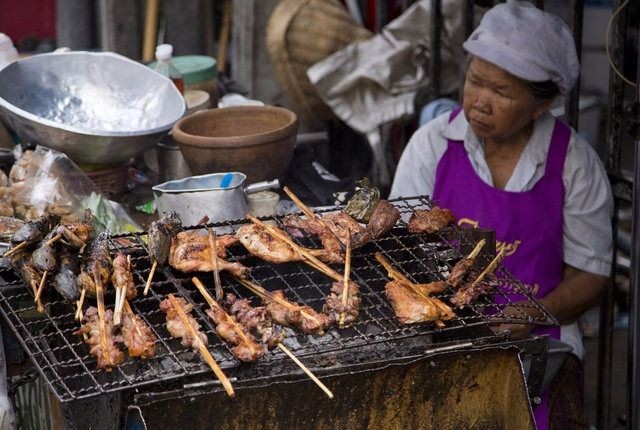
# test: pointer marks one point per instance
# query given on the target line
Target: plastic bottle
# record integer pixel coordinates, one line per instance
(164, 66)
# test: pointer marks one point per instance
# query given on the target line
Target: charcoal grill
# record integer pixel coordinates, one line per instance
(64, 362)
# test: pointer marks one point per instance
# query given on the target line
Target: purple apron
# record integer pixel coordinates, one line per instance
(528, 223)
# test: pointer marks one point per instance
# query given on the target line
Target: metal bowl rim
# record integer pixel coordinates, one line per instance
(39, 120)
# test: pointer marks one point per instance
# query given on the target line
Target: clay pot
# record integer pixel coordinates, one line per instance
(255, 140)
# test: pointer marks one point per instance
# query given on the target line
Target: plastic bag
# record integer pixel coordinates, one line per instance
(47, 181)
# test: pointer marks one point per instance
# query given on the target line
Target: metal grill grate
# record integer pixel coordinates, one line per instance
(64, 361)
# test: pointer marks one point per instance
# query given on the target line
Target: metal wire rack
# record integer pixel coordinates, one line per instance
(63, 359)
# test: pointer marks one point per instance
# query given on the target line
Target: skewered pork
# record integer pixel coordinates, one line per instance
(246, 347)
(121, 276)
(176, 328)
(254, 318)
(65, 280)
(91, 327)
(412, 307)
(257, 240)
(96, 253)
(190, 254)
(294, 315)
(430, 221)
(334, 307)
(160, 235)
(137, 336)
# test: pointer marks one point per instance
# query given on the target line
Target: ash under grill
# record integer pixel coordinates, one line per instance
(63, 358)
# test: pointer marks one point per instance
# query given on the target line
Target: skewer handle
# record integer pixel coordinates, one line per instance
(347, 269)
(306, 370)
(477, 249)
(491, 267)
(79, 304)
(39, 292)
(148, 284)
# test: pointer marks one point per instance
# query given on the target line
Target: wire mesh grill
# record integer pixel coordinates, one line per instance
(64, 361)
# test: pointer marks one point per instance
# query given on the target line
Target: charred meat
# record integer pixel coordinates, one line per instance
(76, 234)
(256, 319)
(188, 254)
(430, 221)
(91, 327)
(176, 328)
(334, 307)
(34, 231)
(96, 253)
(44, 257)
(137, 336)
(160, 235)
(65, 280)
(121, 276)
(412, 307)
(245, 348)
(473, 290)
(302, 317)
(257, 240)
(383, 218)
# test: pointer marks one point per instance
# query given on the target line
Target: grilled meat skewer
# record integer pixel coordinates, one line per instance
(383, 219)
(136, 335)
(65, 280)
(97, 252)
(304, 318)
(176, 328)
(91, 327)
(75, 234)
(254, 318)
(121, 276)
(412, 307)
(430, 221)
(334, 306)
(32, 232)
(160, 235)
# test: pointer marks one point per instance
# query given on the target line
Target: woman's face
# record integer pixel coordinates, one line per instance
(497, 104)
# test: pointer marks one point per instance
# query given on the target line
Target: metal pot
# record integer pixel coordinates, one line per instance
(219, 196)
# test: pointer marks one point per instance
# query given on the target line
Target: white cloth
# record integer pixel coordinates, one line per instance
(588, 207)
(528, 43)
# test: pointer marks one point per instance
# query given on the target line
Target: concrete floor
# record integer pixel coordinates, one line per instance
(618, 382)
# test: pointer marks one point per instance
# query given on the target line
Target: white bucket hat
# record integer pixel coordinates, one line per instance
(528, 43)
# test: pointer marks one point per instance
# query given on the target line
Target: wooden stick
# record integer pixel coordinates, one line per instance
(215, 306)
(347, 269)
(153, 270)
(310, 214)
(394, 274)
(53, 240)
(39, 292)
(79, 304)
(116, 316)
(16, 248)
(214, 261)
(101, 316)
(307, 371)
(491, 267)
(121, 297)
(300, 250)
(265, 295)
(477, 249)
(203, 349)
(127, 309)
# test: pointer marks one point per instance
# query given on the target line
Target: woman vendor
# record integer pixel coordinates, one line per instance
(503, 162)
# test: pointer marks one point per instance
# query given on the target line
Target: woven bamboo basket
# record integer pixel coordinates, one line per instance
(301, 33)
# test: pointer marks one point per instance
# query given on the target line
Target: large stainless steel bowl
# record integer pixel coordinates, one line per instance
(98, 108)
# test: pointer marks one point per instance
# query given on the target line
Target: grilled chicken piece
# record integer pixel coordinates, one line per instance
(338, 223)
(160, 235)
(96, 253)
(91, 327)
(301, 317)
(178, 330)
(430, 221)
(246, 347)
(190, 254)
(257, 240)
(256, 319)
(411, 307)
(383, 218)
(76, 234)
(65, 280)
(334, 307)
(137, 336)
(34, 231)
(121, 277)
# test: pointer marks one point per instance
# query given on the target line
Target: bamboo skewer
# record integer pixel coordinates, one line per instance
(306, 370)
(491, 267)
(206, 355)
(53, 240)
(121, 296)
(347, 269)
(79, 303)
(477, 249)
(127, 308)
(214, 260)
(15, 249)
(101, 316)
(265, 295)
(310, 214)
(39, 292)
(317, 264)
(151, 272)
(394, 274)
